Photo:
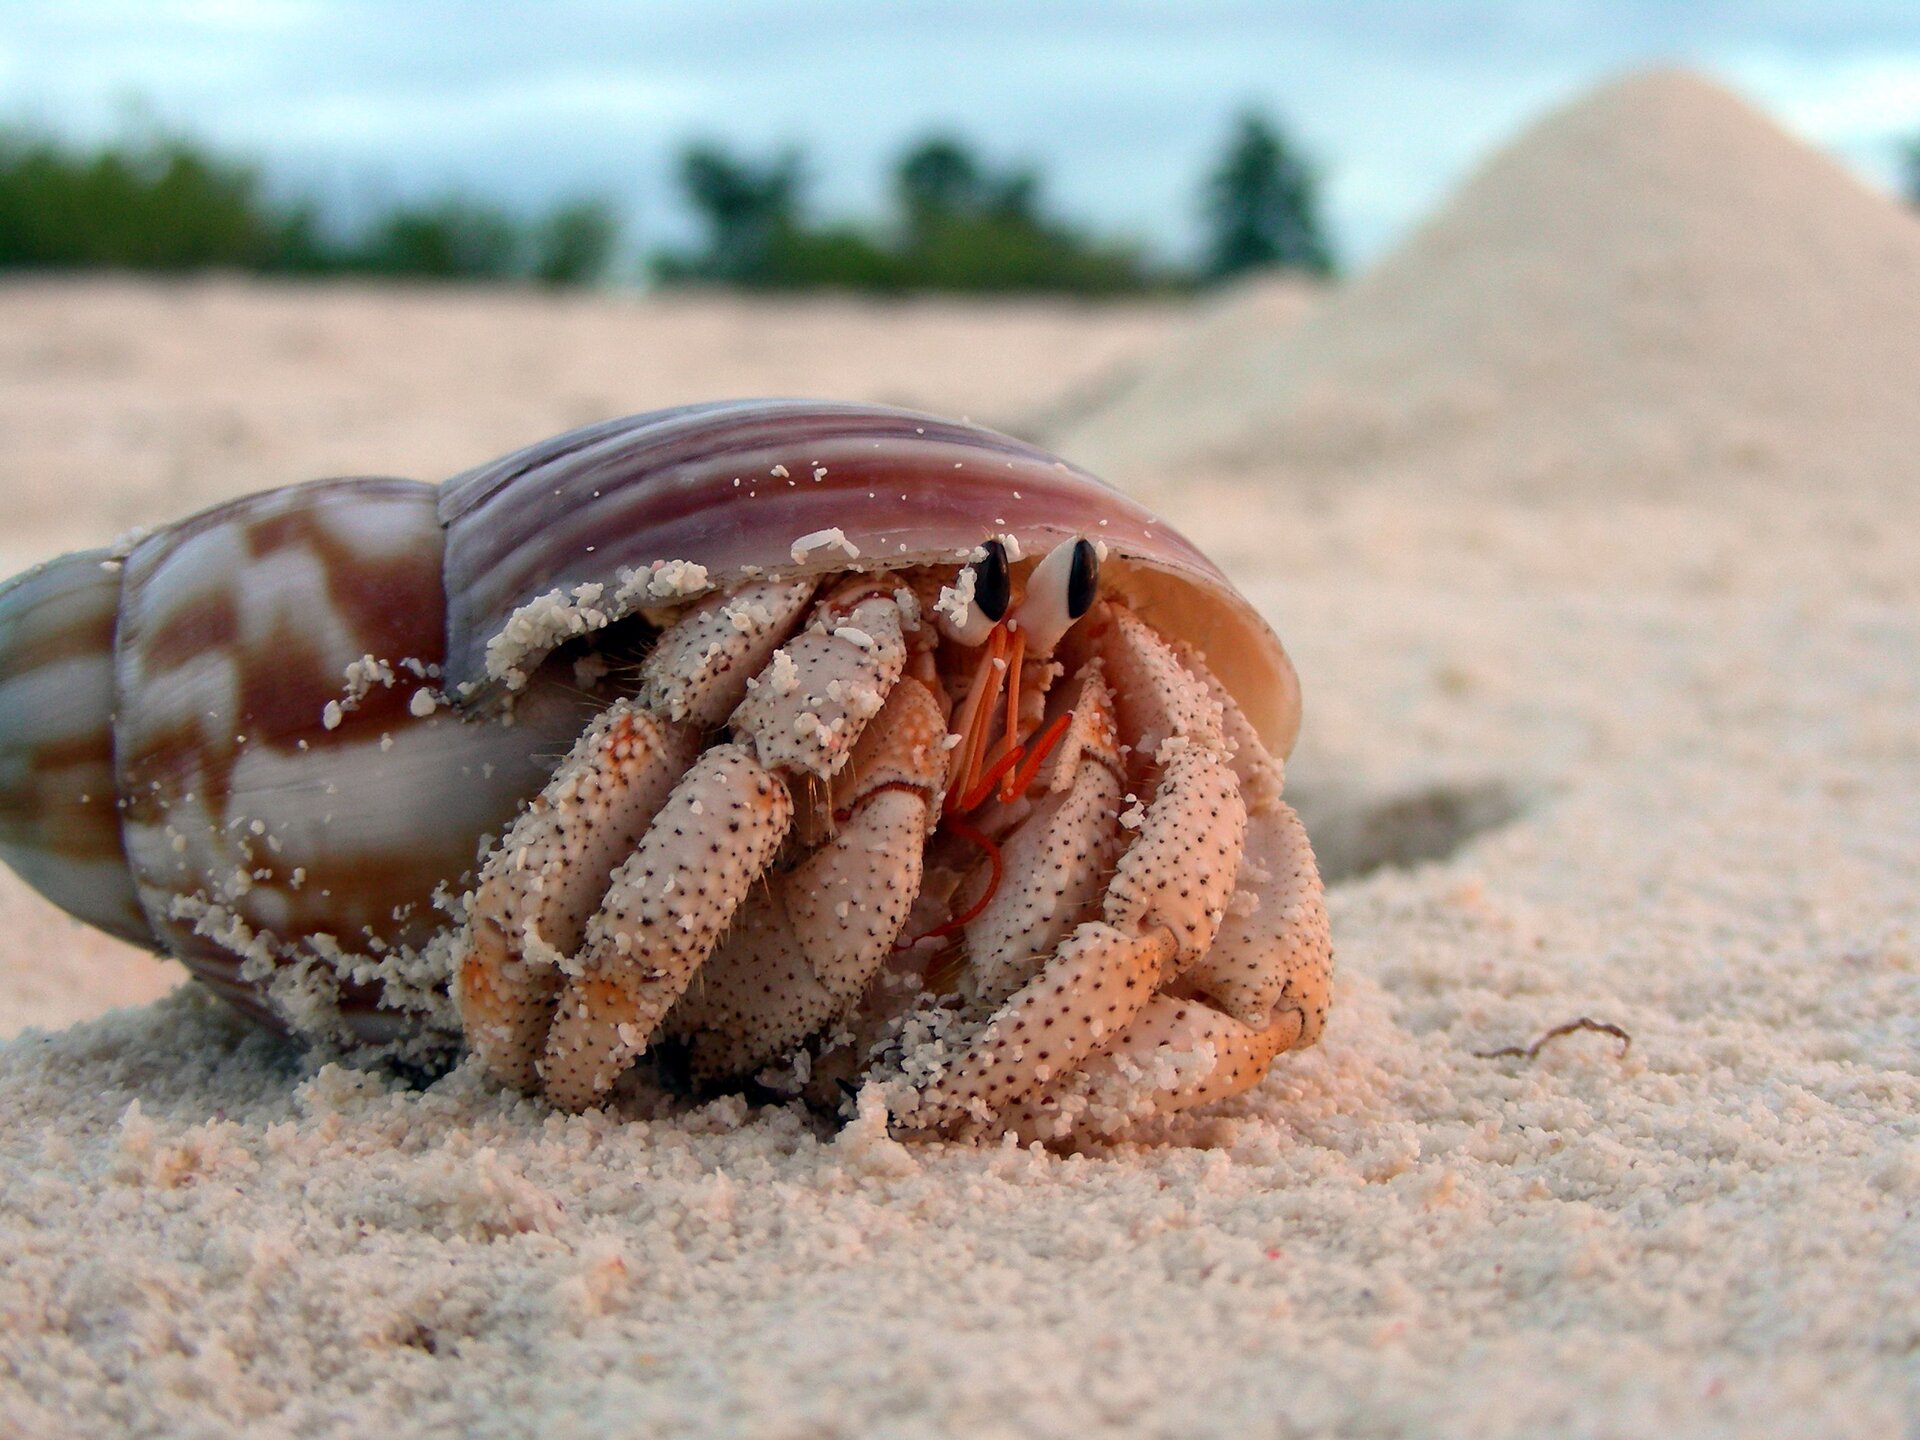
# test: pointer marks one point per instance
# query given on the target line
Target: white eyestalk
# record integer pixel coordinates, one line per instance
(1061, 589)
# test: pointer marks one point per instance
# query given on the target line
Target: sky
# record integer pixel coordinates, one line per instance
(1122, 105)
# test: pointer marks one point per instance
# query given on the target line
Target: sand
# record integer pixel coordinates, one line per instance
(1654, 287)
(1650, 757)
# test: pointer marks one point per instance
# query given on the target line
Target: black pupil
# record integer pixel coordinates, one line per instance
(992, 584)
(1083, 581)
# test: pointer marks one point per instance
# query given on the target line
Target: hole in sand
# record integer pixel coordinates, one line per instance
(1356, 834)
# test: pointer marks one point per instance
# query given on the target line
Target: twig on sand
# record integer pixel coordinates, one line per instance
(1530, 1052)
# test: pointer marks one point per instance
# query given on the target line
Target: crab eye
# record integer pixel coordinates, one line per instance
(970, 609)
(1061, 589)
(992, 584)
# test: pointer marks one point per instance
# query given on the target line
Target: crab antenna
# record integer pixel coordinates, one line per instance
(1061, 589)
(976, 711)
(1017, 654)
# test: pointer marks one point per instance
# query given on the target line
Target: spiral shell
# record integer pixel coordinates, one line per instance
(665, 505)
(272, 738)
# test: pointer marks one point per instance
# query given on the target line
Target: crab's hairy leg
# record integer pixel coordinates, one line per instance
(699, 670)
(540, 884)
(1275, 951)
(1179, 1052)
(1181, 868)
(1091, 989)
(505, 1003)
(806, 710)
(770, 984)
(1274, 954)
(663, 912)
(1161, 910)
(1157, 698)
(848, 900)
(1261, 989)
(546, 876)
(1262, 776)
(1178, 874)
(669, 904)
(755, 984)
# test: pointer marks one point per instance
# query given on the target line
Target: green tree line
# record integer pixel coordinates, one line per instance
(957, 223)
(161, 202)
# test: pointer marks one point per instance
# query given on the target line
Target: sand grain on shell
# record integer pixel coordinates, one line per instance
(1700, 713)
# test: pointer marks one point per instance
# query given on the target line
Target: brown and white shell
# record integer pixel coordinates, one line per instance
(233, 743)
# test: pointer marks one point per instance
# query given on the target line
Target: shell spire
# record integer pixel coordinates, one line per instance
(59, 810)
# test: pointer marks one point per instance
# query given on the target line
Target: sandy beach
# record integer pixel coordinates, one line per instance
(1607, 635)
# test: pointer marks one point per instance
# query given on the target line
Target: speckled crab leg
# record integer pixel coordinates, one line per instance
(528, 915)
(1261, 989)
(820, 932)
(548, 875)
(1161, 910)
(665, 909)
(668, 905)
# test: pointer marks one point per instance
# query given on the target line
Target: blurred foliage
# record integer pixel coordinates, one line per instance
(750, 212)
(1262, 206)
(957, 226)
(1910, 170)
(153, 201)
(158, 202)
(575, 243)
(964, 227)
(446, 239)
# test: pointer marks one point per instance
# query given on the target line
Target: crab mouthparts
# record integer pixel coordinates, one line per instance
(996, 676)
(1003, 771)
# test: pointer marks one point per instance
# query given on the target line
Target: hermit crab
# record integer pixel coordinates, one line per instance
(788, 744)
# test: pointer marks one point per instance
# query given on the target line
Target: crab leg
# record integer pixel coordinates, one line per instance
(1261, 990)
(821, 931)
(702, 666)
(1178, 1053)
(665, 909)
(804, 713)
(668, 905)
(1275, 952)
(1093, 986)
(1274, 955)
(548, 874)
(1262, 777)
(1161, 910)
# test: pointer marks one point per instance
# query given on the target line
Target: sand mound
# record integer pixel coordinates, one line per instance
(1653, 283)
(1181, 371)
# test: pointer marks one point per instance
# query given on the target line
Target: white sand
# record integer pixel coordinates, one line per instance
(1655, 286)
(1702, 704)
